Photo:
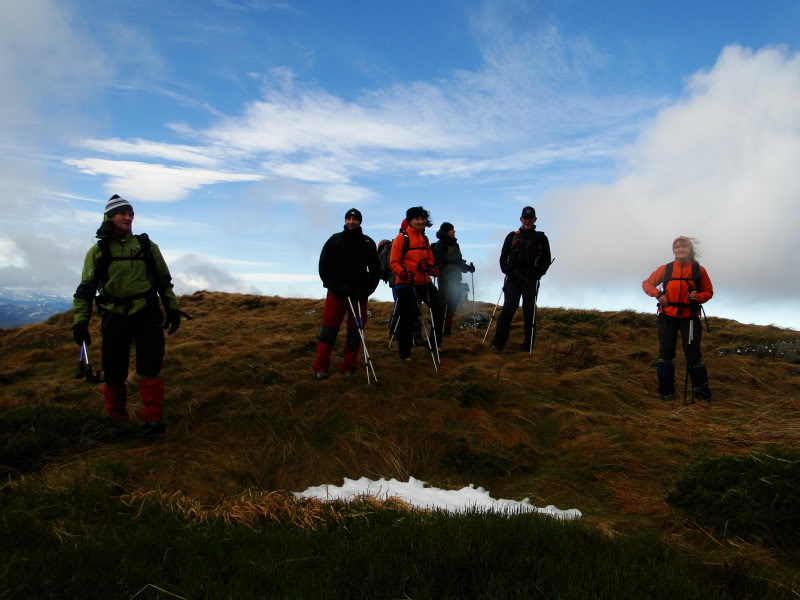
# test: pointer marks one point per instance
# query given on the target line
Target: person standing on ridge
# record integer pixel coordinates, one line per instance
(447, 255)
(129, 276)
(349, 269)
(412, 263)
(524, 260)
(685, 285)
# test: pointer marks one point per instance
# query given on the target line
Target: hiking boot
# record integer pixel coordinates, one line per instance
(153, 428)
(496, 349)
(525, 347)
(404, 356)
(348, 373)
(667, 397)
(321, 376)
(699, 376)
(448, 331)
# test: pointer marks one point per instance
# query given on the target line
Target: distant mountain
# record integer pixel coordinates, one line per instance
(21, 307)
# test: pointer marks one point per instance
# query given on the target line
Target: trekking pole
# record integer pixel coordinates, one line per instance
(360, 326)
(444, 317)
(79, 374)
(396, 324)
(688, 354)
(364, 342)
(493, 312)
(391, 319)
(85, 367)
(425, 328)
(433, 327)
(535, 307)
(393, 323)
(533, 322)
(474, 314)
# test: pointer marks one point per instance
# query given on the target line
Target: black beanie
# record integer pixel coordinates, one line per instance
(446, 227)
(353, 212)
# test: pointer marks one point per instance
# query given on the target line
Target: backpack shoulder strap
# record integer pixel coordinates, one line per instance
(147, 254)
(406, 244)
(101, 270)
(667, 275)
(696, 274)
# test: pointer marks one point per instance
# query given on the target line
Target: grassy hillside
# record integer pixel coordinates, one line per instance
(578, 424)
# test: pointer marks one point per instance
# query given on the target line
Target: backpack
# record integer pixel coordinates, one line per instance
(695, 278)
(104, 262)
(524, 253)
(385, 254)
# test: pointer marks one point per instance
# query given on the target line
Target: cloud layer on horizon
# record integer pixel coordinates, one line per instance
(719, 165)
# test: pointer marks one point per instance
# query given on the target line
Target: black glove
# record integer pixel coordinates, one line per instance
(470, 268)
(172, 321)
(80, 333)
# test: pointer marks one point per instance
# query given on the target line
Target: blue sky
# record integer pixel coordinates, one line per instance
(242, 131)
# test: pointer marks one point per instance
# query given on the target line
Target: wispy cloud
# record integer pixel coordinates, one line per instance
(147, 182)
(138, 147)
(523, 109)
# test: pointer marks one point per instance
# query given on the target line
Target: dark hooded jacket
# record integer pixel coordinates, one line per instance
(447, 254)
(348, 264)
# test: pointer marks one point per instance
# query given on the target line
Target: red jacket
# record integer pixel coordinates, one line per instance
(678, 288)
(418, 250)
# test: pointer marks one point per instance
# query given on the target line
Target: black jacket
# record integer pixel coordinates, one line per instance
(527, 257)
(448, 257)
(348, 264)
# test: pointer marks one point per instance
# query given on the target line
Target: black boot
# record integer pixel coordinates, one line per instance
(665, 371)
(699, 376)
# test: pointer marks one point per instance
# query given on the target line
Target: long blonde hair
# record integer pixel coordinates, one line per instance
(693, 243)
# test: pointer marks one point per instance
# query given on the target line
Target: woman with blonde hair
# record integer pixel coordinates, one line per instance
(685, 285)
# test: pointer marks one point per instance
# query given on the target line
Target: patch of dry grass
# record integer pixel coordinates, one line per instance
(576, 424)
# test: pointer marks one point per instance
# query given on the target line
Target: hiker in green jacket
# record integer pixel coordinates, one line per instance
(126, 276)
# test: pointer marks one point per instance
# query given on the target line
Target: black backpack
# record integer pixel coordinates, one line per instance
(524, 252)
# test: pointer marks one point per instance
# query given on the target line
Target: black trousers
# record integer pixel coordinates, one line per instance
(408, 299)
(144, 329)
(514, 288)
(668, 329)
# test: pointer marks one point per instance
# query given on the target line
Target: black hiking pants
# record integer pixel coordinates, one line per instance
(668, 328)
(144, 329)
(409, 298)
(515, 288)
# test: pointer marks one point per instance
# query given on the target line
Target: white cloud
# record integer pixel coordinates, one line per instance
(191, 272)
(41, 261)
(138, 147)
(279, 277)
(47, 67)
(719, 165)
(148, 182)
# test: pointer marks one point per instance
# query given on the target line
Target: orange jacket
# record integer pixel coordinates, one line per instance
(418, 250)
(678, 288)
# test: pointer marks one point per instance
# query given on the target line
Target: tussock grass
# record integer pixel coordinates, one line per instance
(30, 433)
(578, 424)
(755, 496)
(90, 540)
